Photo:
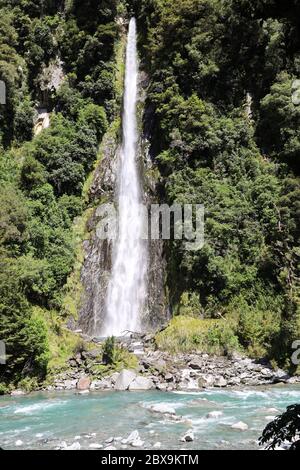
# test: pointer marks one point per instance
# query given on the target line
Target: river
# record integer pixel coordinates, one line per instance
(52, 420)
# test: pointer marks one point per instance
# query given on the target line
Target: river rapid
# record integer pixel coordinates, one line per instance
(64, 419)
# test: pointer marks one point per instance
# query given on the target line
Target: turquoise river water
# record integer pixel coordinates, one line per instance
(46, 420)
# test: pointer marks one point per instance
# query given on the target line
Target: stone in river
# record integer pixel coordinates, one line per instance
(75, 446)
(157, 445)
(214, 414)
(134, 436)
(137, 443)
(96, 446)
(188, 436)
(162, 408)
(240, 426)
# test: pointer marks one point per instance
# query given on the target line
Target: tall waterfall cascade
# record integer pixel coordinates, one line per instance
(127, 288)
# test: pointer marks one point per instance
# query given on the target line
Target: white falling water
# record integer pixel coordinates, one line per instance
(127, 287)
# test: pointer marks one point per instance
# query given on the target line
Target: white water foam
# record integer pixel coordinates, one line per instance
(127, 287)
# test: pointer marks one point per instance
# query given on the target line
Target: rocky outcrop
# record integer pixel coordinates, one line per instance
(160, 370)
(96, 267)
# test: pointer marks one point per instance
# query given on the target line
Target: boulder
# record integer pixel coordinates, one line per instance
(96, 446)
(141, 383)
(240, 426)
(163, 387)
(17, 393)
(114, 377)
(196, 364)
(294, 380)
(157, 445)
(124, 379)
(162, 408)
(104, 384)
(19, 443)
(188, 436)
(133, 437)
(214, 414)
(75, 446)
(83, 383)
(206, 381)
(70, 384)
(169, 377)
(220, 382)
(93, 354)
(234, 381)
(137, 443)
(280, 376)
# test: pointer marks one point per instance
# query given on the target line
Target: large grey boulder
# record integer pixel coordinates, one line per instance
(221, 382)
(70, 384)
(125, 378)
(141, 383)
(162, 408)
(206, 381)
(280, 376)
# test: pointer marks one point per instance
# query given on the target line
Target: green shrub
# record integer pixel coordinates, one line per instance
(109, 351)
(94, 117)
(186, 334)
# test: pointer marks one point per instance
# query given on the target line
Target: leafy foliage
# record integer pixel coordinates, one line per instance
(225, 133)
(285, 428)
(186, 334)
(42, 177)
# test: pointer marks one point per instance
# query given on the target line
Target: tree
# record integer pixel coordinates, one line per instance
(109, 351)
(25, 336)
(285, 428)
(280, 122)
(23, 121)
(94, 117)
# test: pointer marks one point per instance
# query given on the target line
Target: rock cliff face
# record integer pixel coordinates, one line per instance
(97, 252)
(97, 264)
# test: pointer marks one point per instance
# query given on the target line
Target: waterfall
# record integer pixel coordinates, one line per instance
(127, 286)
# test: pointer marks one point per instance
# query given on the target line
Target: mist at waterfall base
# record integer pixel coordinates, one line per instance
(46, 420)
(127, 286)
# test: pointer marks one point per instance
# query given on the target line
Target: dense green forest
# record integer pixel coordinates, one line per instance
(224, 131)
(42, 179)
